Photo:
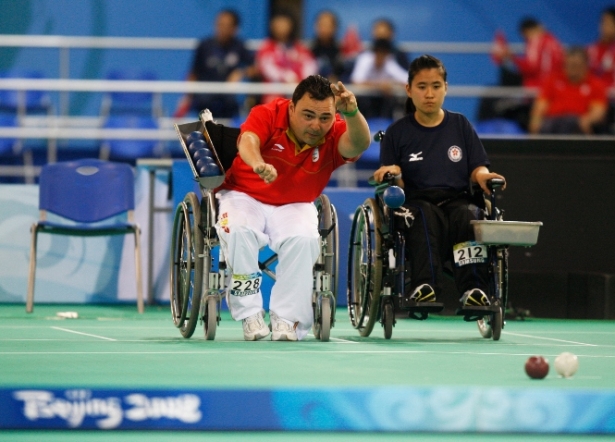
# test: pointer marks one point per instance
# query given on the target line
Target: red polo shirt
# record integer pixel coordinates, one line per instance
(566, 98)
(302, 176)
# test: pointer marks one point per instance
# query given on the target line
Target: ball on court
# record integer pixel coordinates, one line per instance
(204, 154)
(207, 168)
(193, 136)
(537, 367)
(196, 145)
(394, 197)
(566, 364)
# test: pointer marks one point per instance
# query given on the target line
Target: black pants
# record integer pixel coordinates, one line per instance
(430, 240)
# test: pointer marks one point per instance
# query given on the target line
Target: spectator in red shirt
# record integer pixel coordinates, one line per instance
(283, 58)
(543, 53)
(571, 102)
(602, 53)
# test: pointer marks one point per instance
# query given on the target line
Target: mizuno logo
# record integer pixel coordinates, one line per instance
(277, 147)
(416, 157)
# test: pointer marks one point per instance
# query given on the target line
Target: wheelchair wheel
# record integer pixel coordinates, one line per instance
(210, 319)
(491, 327)
(365, 267)
(186, 265)
(324, 328)
(388, 319)
(324, 309)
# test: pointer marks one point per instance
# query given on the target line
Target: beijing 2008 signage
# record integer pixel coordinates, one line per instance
(394, 408)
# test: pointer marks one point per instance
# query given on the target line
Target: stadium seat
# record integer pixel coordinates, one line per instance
(126, 149)
(498, 126)
(12, 148)
(22, 102)
(86, 198)
(131, 103)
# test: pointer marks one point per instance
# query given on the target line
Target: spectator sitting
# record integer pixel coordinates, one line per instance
(543, 53)
(377, 68)
(602, 53)
(571, 102)
(384, 28)
(325, 46)
(222, 57)
(283, 58)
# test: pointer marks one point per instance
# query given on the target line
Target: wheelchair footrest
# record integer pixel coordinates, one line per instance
(471, 314)
(421, 310)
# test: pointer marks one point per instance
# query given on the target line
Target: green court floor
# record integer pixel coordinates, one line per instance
(113, 346)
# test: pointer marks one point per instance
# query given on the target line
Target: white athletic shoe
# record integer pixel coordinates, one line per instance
(254, 327)
(281, 330)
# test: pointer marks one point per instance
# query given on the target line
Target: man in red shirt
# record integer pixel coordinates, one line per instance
(543, 53)
(288, 150)
(602, 53)
(570, 102)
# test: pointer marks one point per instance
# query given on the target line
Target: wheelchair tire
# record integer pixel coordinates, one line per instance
(210, 320)
(327, 222)
(388, 318)
(365, 267)
(497, 322)
(186, 265)
(179, 265)
(325, 320)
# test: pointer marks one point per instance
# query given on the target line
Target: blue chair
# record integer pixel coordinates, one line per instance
(498, 126)
(88, 197)
(126, 149)
(131, 103)
(8, 146)
(22, 102)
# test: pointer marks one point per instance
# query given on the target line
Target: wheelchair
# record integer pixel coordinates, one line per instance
(199, 276)
(378, 274)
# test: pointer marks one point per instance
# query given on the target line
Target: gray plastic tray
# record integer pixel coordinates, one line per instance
(511, 233)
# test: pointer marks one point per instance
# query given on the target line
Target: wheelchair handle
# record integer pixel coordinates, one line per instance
(494, 183)
(388, 180)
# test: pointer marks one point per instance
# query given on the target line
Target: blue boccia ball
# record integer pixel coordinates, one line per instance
(394, 197)
(193, 136)
(204, 154)
(207, 168)
(196, 145)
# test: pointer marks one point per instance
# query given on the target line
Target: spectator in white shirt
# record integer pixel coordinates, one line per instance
(378, 69)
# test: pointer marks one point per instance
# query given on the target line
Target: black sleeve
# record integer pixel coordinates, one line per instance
(198, 59)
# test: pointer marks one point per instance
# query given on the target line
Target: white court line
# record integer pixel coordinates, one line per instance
(549, 339)
(281, 353)
(84, 334)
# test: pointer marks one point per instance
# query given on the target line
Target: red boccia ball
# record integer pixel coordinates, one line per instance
(537, 367)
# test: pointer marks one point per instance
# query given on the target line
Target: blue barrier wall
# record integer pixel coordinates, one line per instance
(439, 20)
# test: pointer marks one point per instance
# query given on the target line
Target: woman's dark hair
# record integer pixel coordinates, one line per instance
(294, 32)
(234, 15)
(609, 11)
(317, 86)
(418, 64)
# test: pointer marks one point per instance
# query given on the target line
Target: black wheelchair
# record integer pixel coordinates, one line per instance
(378, 271)
(198, 279)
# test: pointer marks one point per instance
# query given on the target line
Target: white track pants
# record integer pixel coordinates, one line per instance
(244, 226)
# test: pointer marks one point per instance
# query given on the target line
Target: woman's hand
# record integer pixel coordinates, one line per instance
(393, 170)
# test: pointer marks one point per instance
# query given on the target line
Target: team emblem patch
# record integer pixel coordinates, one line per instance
(455, 154)
(315, 155)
